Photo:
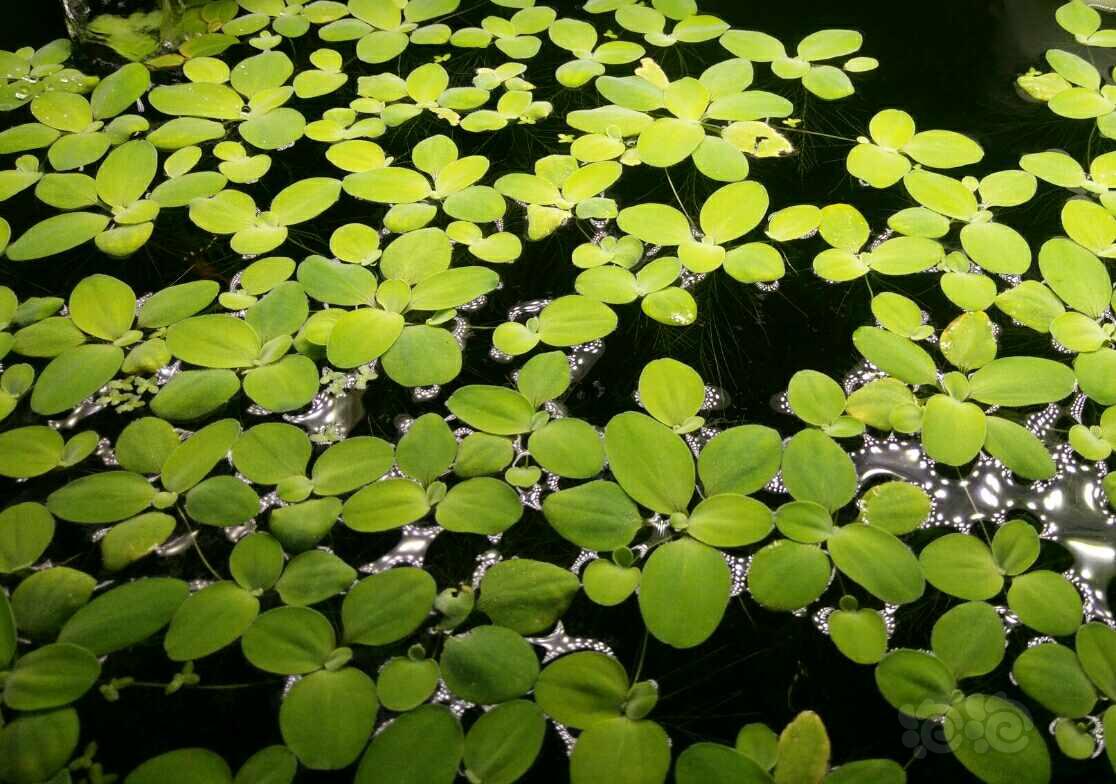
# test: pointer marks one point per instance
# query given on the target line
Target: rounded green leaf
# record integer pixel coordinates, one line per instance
(101, 498)
(916, 683)
(489, 665)
(482, 505)
(209, 620)
(384, 505)
(621, 751)
(74, 375)
(125, 615)
(327, 717)
(288, 641)
(684, 574)
(596, 515)
(973, 728)
(525, 595)
(503, 743)
(387, 607)
(423, 746)
(816, 469)
(970, 639)
(50, 676)
(878, 561)
(786, 575)
(582, 689)
(652, 464)
(1047, 602)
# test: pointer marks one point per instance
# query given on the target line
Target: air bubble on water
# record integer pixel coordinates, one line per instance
(106, 453)
(559, 642)
(425, 394)
(485, 561)
(176, 546)
(235, 533)
(583, 559)
(414, 542)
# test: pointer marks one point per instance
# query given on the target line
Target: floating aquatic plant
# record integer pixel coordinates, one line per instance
(231, 423)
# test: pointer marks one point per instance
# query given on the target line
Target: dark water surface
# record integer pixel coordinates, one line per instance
(950, 63)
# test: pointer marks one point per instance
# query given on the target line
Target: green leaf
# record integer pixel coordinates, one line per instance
(583, 688)
(29, 451)
(572, 320)
(1018, 448)
(482, 505)
(971, 731)
(670, 391)
(384, 505)
(961, 565)
(803, 750)
(305, 200)
(312, 577)
(684, 574)
(222, 501)
(1021, 381)
(406, 683)
(101, 498)
(43, 601)
(503, 743)
(1046, 602)
(669, 141)
(895, 355)
(896, 507)
(621, 751)
(786, 575)
(525, 595)
(816, 469)
(1050, 674)
(815, 398)
(210, 620)
(50, 676)
(271, 765)
(26, 529)
(1095, 644)
(1075, 275)
(952, 432)
(35, 746)
(878, 561)
(595, 515)
(389, 185)
(216, 341)
(656, 224)
(362, 335)
(740, 459)
(861, 635)
(347, 465)
(489, 665)
(57, 234)
(327, 717)
(996, 247)
(712, 763)
(133, 539)
(916, 683)
(970, 639)
(288, 641)
(651, 463)
(423, 356)
(423, 746)
(387, 607)
(493, 409)
(125, 615)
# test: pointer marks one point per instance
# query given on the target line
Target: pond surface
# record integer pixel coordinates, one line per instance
(950, 64)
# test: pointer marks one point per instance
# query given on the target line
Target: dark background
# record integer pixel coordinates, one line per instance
(950, 63)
